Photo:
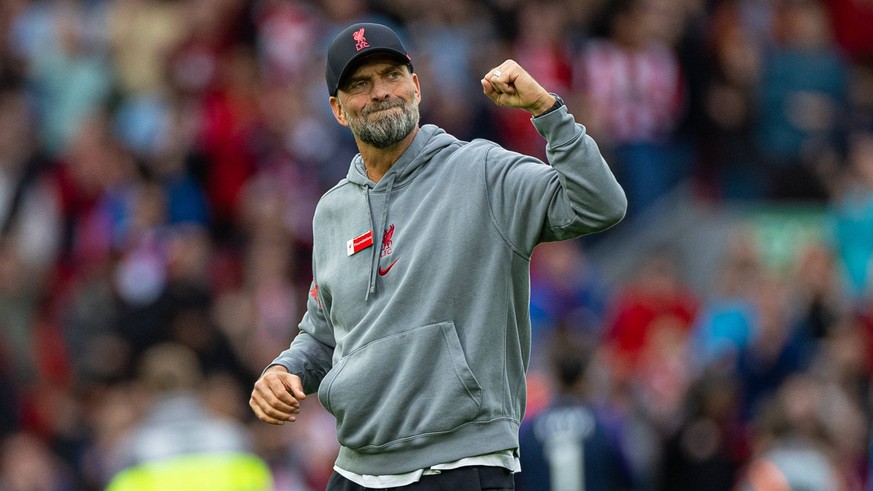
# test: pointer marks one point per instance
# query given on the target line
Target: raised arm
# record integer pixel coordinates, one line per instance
(576, 195)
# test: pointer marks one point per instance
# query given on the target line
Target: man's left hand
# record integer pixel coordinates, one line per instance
(509, 85)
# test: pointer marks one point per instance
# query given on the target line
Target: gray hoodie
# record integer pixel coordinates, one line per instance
(418, 344)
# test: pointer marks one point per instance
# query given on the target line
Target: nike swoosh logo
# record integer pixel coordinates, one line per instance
(384, 271)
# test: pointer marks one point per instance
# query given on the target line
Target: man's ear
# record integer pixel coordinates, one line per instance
(417, 86)
(338, 112)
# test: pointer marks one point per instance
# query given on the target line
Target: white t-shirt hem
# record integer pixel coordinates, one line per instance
(506, 458)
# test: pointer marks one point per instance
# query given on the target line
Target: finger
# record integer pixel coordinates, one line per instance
(492, 78)
(501, 81)
(275, 391)
(487, 87)
(492, 73)
(269, 401)
(271, 406)
(295, 386)
(263, 415)
(275, 412)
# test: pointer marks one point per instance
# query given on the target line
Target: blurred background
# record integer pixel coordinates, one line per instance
(160, 161)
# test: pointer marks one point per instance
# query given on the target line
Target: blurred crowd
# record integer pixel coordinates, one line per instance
(160, 161)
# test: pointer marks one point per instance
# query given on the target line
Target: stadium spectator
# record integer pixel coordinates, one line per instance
(566, 446)
(709, 447)
(851, 220)
(179, 445)
(633, 89)
(802, 93)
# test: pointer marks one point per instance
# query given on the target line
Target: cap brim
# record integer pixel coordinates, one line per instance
(359, 58)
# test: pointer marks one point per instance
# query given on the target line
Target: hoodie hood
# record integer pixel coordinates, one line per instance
(429, 141)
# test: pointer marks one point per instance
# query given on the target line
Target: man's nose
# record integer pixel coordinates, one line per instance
(380, 90)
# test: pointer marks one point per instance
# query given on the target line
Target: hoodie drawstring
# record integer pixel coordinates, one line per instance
(379, 232)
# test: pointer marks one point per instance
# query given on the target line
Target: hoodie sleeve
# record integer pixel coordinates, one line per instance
(310, 355)
(575, 195)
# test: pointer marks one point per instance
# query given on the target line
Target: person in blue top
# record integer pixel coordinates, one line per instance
(566, 447)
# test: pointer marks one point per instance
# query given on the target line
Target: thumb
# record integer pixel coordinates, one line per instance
(295, 387)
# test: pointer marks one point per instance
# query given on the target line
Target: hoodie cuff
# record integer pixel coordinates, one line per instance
(557, 127)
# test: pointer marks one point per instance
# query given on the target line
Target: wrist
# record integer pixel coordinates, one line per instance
(548, 104)
(275, 368)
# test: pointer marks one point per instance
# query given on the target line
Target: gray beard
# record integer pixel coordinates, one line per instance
(388, 128)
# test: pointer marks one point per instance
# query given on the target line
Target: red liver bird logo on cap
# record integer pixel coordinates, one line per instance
(360, 40)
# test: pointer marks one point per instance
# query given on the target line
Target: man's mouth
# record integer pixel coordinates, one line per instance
(382, 107)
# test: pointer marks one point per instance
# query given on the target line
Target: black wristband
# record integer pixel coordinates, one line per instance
(557, 105)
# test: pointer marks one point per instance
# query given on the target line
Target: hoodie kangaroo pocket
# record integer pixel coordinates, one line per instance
(402, 386)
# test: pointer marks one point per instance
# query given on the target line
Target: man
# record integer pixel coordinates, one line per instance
(417, 330)
(179, 445)
(567, 446)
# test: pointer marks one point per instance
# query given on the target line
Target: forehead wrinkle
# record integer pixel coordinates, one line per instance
(372, 61)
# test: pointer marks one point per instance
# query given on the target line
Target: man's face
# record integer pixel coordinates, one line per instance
(379, 102)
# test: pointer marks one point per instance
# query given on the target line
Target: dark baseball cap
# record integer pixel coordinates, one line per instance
(357, 41)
